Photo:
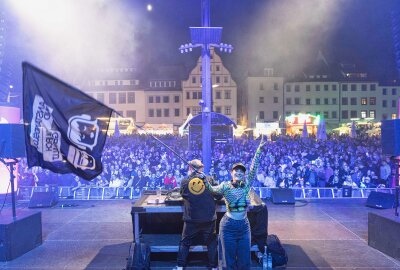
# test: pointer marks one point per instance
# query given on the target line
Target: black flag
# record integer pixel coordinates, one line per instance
(65, 129)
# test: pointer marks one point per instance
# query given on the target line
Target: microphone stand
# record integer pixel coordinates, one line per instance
(12, 177)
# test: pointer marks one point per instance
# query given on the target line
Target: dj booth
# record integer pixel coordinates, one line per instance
(160, 225)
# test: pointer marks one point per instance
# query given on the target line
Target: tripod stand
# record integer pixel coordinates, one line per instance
(11, 164)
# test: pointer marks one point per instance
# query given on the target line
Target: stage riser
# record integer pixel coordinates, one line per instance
(384, 233)
(20, 235)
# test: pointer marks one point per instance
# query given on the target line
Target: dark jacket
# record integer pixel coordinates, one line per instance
(199, 202)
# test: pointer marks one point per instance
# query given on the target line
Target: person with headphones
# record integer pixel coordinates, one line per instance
(234, 228)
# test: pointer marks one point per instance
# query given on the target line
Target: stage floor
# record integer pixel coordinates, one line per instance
(323, 234)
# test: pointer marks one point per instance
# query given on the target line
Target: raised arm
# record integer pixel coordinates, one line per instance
(255, 162)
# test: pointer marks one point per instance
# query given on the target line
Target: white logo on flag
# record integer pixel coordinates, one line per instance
(82, 131)
(80, 159)
(44, 136)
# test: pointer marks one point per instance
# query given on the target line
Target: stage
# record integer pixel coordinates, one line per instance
(319, 234)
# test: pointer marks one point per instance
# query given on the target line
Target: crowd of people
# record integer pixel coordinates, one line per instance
(141, 162)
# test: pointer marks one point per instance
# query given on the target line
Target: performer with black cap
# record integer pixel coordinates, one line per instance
(234, 228)
(199, 215)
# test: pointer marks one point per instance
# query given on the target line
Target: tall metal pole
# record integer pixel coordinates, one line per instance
(206, 90)
(206, 37)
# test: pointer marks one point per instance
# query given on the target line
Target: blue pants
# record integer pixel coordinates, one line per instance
(235, 243)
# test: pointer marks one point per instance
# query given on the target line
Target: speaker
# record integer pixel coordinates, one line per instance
(19, 235)
(390, 139)
(283, 196)
(381, 200)
(42, 200)
(12, 141)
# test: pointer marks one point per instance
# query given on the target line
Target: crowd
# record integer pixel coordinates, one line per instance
(141, 162)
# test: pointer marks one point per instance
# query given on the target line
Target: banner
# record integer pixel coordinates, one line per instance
(65, 129)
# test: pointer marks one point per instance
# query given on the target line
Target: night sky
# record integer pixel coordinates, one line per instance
(284, 34)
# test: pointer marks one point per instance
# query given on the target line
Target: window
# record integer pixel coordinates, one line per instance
(187, 95)
(334, 114)
(334, 87)
(218, 109)
(122, 98)
(297, 88)
(217, 67)
(345, 101)
(334, 101)
(363, 114)
(228, 110)
(288, 101)
(326, 87)
(199, 95)
(165, 99)
(384, 116)
(275, 114)
(308, 88)
(345, 114)
(364, 101)
(176, 112)
(308, 101)
(113, 98)
(226, 79)
(166, 112)
(261, 114)
(276, 86)
(394, 91)
(344, 87)
(158, 112)
(151, 99)
(297, 101)
(193, 79)
(353, 101)
(217, 79)
(384, 103)
(261, 100)
(261, 86)
(326, 101)
(176, 99)
(275, 99)
(372, 114)
(218, 95)
(288, 88)
(326, 115)
(288, 113)
(227, 94)
(187, 111)
(384, 91)
(151, 112)
(372, 101)
(131, 114)
(158, 99)
(194, 95)
(318, 87)
(372, 87)
(364, 88)
(100, 97)
(353, 87)
(394, 104)
(131, 97)
(317, 101)
(353, 114)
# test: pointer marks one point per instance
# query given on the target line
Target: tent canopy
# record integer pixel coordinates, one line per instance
(217, 119)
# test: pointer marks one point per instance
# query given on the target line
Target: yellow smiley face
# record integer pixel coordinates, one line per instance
(196, 186)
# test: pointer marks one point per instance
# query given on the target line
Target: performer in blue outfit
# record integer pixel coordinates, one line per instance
(234, 228)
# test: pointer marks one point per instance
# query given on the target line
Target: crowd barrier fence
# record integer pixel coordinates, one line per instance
(107, 193)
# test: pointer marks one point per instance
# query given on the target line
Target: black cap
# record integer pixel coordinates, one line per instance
(238, 165)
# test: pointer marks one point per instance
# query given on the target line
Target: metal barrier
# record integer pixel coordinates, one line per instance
(107, 193)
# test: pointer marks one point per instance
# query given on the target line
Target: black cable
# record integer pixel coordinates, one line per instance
(5, 198)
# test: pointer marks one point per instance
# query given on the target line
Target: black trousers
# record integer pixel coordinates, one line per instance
(259, 226)
(198, 234)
